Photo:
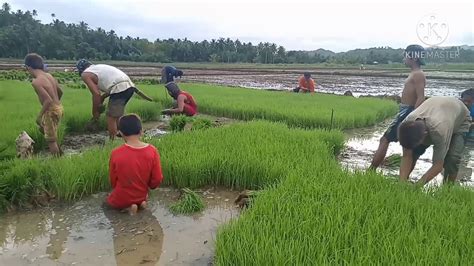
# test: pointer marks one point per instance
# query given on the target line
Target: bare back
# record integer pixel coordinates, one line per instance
(47, 87)
(414, 90)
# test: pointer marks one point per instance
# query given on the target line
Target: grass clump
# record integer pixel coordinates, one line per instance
(393, 160)
(201, 123)
(190, 202)
(330, 217)
(178, 122)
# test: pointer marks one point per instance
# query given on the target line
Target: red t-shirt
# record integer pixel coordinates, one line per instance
(190, 106)
(132, 172)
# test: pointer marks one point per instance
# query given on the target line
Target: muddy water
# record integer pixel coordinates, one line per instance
(336, 83)
(361, 145)
(88, 234)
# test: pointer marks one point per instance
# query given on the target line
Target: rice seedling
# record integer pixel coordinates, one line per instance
(242, 155)
(332, 217)
(201, 123)
(393, 160)
(297, 110)
(190, 202)
(178, 122)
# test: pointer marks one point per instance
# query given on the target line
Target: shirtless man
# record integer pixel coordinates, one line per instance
(49, 94)
(413, 96)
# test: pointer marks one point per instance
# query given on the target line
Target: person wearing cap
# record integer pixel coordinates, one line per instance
(107, 81)
(442, 122)
(49, 94)
(305, 84)
(413, 95)
(184, 101)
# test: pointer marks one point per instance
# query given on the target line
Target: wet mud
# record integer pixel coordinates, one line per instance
(86, 233)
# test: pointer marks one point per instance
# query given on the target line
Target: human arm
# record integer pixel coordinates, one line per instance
(59, 90)
(177, 110)
(112, 173)
(434, 170)
(44, 98)
(406, 165)
(420, 81)
(91, 82)
(156, 173)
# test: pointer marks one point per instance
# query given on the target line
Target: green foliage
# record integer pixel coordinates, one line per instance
(298, 110)
(330, 217)
(201, 123)
(243, 155)
(178, 122)
(21, 183)
(393, 160)
(190, 202)
(14, 75)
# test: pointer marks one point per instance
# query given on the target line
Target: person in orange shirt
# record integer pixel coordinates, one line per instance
(305, 84)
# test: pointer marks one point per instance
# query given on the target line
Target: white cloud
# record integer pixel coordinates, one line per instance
(335, 25)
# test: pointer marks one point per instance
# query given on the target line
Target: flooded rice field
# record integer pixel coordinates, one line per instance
(337, 84)
(361, 145)
(86, 233)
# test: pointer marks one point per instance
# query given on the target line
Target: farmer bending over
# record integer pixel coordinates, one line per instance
(184, 102)
(49, 94)
(412, 96)
(133, 168)
(113, 83)
(441, 122)
(305, 84)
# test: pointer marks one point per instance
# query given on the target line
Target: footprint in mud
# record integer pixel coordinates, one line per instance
(138, 239)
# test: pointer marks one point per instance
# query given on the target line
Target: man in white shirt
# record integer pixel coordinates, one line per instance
(107, 81)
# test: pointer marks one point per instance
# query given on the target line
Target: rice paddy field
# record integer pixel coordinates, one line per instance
(297, 110)
(309, 211)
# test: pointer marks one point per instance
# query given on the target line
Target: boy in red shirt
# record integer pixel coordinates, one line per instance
(133, 168)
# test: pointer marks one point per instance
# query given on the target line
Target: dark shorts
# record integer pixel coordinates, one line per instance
(452, 160)
(118, 101)
(392, 132)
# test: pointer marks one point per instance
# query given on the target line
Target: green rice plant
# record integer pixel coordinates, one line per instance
(201, 123)
(393, 160)
(190, 202)
(242, 155)
(148, 111)
(296, 110)
(22, 183)
(178, 122)
(331, 217)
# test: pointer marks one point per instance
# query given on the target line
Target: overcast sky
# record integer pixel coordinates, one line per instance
(297, 25)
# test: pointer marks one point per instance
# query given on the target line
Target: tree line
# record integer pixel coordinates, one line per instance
(21, 33)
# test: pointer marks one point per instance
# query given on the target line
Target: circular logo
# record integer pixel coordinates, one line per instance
(432, 30)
